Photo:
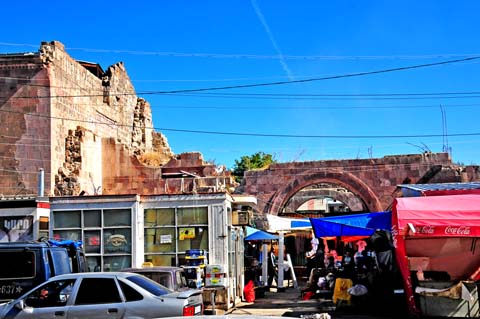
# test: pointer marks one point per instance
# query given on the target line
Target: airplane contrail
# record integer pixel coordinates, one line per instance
(272, 39)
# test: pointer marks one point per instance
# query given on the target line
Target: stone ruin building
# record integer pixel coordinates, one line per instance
(88, 131)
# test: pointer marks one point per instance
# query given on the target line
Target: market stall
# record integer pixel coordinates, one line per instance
(435, 241)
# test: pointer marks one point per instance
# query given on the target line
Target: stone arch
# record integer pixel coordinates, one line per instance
(343, 179)
(349, 199)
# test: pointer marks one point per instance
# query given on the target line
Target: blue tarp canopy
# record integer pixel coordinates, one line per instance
(257, 234)
(351, 225)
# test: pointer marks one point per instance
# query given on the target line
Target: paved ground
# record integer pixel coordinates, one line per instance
(289, 303)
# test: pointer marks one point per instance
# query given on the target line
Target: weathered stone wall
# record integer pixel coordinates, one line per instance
(104, 106)
(25, 131)
(186, 173)
(62, 94)
(81, 172)
(372, 180)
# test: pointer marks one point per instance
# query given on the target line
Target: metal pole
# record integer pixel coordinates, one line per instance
(264, 264)
(41, 178)
(281, 254)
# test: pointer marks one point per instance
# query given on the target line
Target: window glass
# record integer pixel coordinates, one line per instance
(92, 239)
(66, 219)
(162, 260)
(67, 235)
(130, 293)
(62, 262)
(164, 278)
(192, 238)
(181, 279)
(94, 263)
(21, 264)
(117, 240)
(116, 263)
(159, 217)
(160, 239)
(117, 217)
(192, 215)
(52, 294)
(150, 285)
(91, 218)
(97, 291)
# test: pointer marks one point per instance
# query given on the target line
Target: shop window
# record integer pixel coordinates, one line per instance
(192, 215)
(169, 232)
(92, 218)
(159, 217)
(117, 240)
(160, 239)
(67, 219)
(94, 263)
(116, 263)
(193, 238)
(67, 235)
(162, 260)
(117, 217)
(92, 240)
(107, 247)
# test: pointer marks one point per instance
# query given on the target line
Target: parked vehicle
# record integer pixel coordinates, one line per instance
(103, 294)
(171, 277)
(26, 264)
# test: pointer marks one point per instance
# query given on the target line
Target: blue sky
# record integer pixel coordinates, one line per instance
(182, 45)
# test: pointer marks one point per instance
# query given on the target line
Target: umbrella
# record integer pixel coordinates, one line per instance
(257, 234)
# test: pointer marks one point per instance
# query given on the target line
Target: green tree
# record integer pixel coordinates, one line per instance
(259, 160)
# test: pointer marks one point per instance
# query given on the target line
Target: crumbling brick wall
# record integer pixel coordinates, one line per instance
(66, 109)
(60, 94)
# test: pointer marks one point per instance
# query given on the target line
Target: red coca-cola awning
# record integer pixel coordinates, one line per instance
(442, 231)
(438, 216)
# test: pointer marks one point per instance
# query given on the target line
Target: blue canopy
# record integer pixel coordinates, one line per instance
(351, 225)
(257, 234)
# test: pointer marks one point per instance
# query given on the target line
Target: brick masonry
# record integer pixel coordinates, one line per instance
(56, 113)
(374, 181)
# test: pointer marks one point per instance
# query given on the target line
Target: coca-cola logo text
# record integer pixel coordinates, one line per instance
(457, 230)
(428, 229)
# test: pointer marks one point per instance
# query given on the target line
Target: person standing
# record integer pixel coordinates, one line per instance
(315, 257)
(271, 270)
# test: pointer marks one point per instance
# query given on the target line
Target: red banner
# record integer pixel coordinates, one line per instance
(444, 231)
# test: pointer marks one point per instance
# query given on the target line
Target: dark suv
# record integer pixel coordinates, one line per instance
(27, 264)
(171, 277)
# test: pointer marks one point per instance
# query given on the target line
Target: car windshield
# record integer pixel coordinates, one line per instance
(150, 285)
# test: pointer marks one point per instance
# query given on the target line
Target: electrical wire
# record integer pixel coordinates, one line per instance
(254, 56)
(252, 134)
(265, 84)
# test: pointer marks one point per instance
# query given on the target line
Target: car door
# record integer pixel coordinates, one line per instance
(97, 298)
(47, 301)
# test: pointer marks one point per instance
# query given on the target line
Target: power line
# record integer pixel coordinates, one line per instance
(308, 107)
(468, 94)
(320, 98)
(256, 56)
(348, 75)
(252, 134)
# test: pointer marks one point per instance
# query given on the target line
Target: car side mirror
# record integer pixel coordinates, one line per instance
(20, 305)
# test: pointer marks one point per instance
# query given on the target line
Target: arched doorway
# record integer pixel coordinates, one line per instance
(341, 180)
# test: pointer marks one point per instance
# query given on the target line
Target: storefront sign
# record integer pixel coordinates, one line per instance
(187, 233)
(447, 230)
(165, 239)
(16, 228)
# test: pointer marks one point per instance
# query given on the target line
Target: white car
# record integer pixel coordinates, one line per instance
(103, 295)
